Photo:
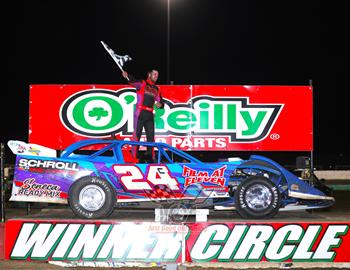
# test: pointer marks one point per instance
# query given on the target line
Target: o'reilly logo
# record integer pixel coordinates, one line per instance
(100, 112)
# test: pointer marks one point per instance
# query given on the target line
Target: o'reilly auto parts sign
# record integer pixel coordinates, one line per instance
(194, 117)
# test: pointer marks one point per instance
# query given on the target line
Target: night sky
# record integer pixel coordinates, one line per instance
(216, 42)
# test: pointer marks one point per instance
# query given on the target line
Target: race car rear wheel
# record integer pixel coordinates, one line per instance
(257, 198)
(91, 197)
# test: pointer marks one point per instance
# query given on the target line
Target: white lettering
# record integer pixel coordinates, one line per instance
(66, 241)
(88, 241)
(168, 245)
(277, 249)
(254, 243)
(303, 251)
(39, 240)
(118, 241)
(237, 234)
(328, 241)
(204, 249)
(48, 164)
(140, 249)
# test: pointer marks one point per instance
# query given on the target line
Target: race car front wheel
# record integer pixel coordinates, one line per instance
(91, 197)
(257, 198)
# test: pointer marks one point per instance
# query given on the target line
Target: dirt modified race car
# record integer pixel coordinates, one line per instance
(95, 176)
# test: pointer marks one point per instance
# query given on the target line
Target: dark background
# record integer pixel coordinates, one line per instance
(211, 42)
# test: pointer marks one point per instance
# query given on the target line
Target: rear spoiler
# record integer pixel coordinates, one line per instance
(30, 149)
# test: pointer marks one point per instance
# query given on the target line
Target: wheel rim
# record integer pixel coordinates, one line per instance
(92, 197)
(258, 197)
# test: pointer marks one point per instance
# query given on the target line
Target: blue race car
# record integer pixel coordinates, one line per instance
(94, 176)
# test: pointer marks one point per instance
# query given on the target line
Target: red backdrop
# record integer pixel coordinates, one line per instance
(196, 117)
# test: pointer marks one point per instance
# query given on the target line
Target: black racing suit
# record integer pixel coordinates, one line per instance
(147, 94)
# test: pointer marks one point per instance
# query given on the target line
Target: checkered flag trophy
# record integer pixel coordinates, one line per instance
(118, 59)
(175, 202)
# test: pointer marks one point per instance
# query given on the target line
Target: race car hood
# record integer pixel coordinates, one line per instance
(297, 187)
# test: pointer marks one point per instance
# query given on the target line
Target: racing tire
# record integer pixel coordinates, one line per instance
(92, 197)
(257, 198)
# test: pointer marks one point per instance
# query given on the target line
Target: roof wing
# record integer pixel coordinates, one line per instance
(30, 149)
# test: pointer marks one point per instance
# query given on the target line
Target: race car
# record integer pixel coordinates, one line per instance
(94, 176)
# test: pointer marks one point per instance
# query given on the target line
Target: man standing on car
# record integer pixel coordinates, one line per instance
(148, 94)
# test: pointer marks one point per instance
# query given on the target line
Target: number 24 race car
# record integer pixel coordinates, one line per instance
(94, 176)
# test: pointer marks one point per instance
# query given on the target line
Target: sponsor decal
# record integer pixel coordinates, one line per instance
(195, 142)
(30, 188)
(294, 187)
(34, 151)
(132, 178)
(100, 112)
(47, 164)
(193, 176)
